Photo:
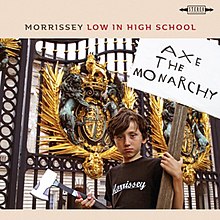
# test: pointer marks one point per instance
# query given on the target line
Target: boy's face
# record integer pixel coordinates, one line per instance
(129, 143)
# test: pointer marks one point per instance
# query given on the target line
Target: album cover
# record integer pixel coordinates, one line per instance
(68, 68)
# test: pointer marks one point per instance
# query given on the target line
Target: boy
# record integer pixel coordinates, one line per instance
(135, 183)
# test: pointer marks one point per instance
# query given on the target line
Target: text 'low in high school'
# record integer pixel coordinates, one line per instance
(141, 27)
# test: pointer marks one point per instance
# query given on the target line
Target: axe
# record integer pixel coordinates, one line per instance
(41, 190)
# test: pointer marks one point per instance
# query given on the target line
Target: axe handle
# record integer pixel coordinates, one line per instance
(77, 194)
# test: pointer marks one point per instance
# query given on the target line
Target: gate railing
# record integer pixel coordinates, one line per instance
(21, 167)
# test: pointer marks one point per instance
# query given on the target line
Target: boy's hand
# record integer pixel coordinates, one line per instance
(172, 166)
(86, 203)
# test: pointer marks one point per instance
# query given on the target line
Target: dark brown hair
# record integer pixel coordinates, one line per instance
(121, 121)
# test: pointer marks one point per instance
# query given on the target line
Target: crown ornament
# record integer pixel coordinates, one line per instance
(94, 76)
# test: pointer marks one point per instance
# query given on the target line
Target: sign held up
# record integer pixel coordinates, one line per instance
(182, 70)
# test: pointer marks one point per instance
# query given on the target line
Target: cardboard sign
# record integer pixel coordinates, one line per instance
(186, 71)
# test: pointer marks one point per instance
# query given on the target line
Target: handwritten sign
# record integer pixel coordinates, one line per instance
(183, 70)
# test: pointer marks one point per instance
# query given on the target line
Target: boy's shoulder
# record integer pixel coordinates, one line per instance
(149, 161)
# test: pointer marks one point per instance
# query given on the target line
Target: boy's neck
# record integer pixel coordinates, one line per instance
(132, 159)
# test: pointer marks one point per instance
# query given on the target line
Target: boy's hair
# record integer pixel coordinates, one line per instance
(121, 121)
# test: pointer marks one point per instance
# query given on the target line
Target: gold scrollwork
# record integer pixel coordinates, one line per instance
(11, 46)
(195, 149)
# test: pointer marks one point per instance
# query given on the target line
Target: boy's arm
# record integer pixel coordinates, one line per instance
(178, 192)
(173, 168)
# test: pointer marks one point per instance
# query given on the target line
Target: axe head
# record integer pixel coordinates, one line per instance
(41, 190)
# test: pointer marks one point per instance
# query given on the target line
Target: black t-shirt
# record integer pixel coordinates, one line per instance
(134, 185)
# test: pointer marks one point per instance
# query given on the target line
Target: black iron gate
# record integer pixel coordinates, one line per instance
(13, 88)
(21, 164)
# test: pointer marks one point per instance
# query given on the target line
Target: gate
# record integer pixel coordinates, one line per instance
(22, 163)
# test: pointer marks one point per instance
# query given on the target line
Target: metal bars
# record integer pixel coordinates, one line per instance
(20, 168)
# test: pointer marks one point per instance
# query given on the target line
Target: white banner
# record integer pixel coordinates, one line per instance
(183, 70)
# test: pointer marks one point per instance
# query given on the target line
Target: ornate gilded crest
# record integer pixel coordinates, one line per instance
(196, 145)
(8, 47)
(76, 107)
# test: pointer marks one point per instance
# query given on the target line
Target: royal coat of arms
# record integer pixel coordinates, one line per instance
(75, 109)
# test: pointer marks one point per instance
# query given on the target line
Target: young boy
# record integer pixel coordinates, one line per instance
(135, 183)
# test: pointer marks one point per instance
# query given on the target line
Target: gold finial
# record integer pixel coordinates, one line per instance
(75, 69)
